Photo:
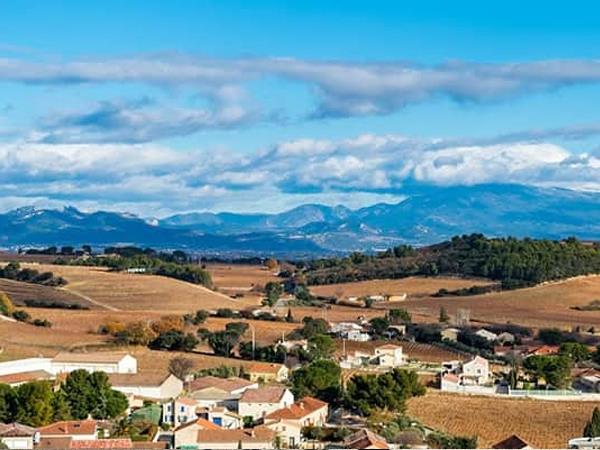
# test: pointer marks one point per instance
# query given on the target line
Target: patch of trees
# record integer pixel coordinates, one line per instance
(320, 379)
(513, 262)
(65, 250)
(555, 370)
(554, 336)
(82, 394)
(7, 308)
(473, 290)
(13, 271)
(391, 390)
(53, 304)
(223, 372)
(594, 305)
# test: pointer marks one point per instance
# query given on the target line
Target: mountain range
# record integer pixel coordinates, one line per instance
(427, 215)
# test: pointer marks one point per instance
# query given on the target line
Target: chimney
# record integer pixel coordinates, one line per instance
(302, 405)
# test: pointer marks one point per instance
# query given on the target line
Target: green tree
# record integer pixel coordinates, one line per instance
(273, 291)
(555, 370)
(7, 403)
(399, 316)
(61, 410)
(34, 403)
(312, 327)
(576, 351)
(77, 389)
(321, 346)
(592, 428)
(6, 305)
(444, 317)
(92, 394)
(379, 325)
(223, 342)
(320, 379)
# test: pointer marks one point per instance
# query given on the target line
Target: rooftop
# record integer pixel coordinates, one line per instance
(15, 430)
(24, 377)
(138, 379)
(98, 357)
(511, 442)
(364, 438)
(258, 434)
(203, 424)
(70, 427)
(298, 410)
(226, 384)
(265, 394)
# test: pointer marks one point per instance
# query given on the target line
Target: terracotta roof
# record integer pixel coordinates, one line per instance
(24, 377)
(451, 377)
(54, 443)
(258, 434)
(101, 443)
(298, 410)
(203, 424)
(149, 445)
(366, 439)
(544, 350)
(187, 401)
(226, 384)
(15, 430)
(257, 367)
(138, 379)
(69, 428)
(97, 357)
(511, 442)
(266, 394)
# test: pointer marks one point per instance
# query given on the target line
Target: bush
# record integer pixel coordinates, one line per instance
(21, 316)
(42, 323)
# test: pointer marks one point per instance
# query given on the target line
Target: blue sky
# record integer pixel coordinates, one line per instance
(160, 107)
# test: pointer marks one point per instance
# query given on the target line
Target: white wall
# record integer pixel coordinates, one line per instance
(26, 365)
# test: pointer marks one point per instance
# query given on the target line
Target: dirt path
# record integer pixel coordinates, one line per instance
(89, 299)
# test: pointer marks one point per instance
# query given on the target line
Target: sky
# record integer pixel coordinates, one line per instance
(156, 108)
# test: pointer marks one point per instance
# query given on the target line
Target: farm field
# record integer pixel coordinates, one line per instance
(412, 286)
(548, 305)
(543, 424)
(239, 277)
(19, 292)
(414, 350)
(119, 291)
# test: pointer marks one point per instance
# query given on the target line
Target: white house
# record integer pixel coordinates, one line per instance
(179, 411)
(17, 436)
(257, 403)
(153, 386)
(26, 365)
(487, 335)
(389, 355)
(221, 416)
(109, 362)
(289, 421)
(476, 371)
(214, 391)
(450, 334)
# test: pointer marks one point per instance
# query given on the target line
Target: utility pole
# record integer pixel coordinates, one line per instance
(253, 341)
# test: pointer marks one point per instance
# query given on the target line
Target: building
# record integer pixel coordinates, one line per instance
(365, 439)
(389, 355)
(179, 411)
(288, 422)
(152, 386)
(258, 403)
(214, 391)
(506, 338)
(187, 434)
(16, 379)
(512, 442)
(221, 416)
(17, 436)
(450, 334)
(86, 430)
(487, 335)
(476, 371)
(259, 438)
(542, 350)
(267, 372)
(109, 362)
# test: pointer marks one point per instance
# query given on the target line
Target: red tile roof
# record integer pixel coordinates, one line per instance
(226, 384)
(258, 434)
(298, 410)
(266, 394)
(15, 430)
(24, 377)
(366, 439)
(203, 424)
(69, 428)
(101, 443)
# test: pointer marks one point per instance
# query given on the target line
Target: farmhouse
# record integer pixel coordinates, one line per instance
(455, 374)
(350, 331)
(389, 355)
(178, 411)
(109, 362)
(258, 403)
(153, 386)
(221, 416)
(18, 436)
(267, 372)
(289, 421)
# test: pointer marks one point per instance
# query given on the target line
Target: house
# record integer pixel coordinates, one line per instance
(26, 365)
(267, 372)
(506, 338)
(451, 334)
(221, 416)
(449, 382)
(16, 379)
(214, 391)
(293, 345)
(356, 359)
(476, 371)
(542, 350)
(585, 443)
(288, 422)
(109, 362)
(350, 331)
(588, 383)
(259, 438)
(365, 439)
(187, 433)
(389, 355)
(487, 335)
(512, 442)
(258, 403)
(17, 436)
(181, 410)
(86, 430)
(152, 386)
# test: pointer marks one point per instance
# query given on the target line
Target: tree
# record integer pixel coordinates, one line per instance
(592, 428)
(596, 355)
(168, 323)
(550, 336)
(399, 316)
(136, 333)
(321, 346)
(77, 389)
(200, 317)
(6, 305)
(289, 318)
(237, 327)
(34, 403)
(379, 325)
(223, 342)
(181, 367)
(576, 351)
(555, 370)
(273, 291)
(61, 410)
(7, 403)
(312, 327)
(444, 317)
(175, 340)
(320, 379)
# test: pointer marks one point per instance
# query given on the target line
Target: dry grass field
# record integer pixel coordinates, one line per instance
(412, 286)
(19, 292)
(544, 424)
(119, 291)
(541, 306)
(240, 277)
